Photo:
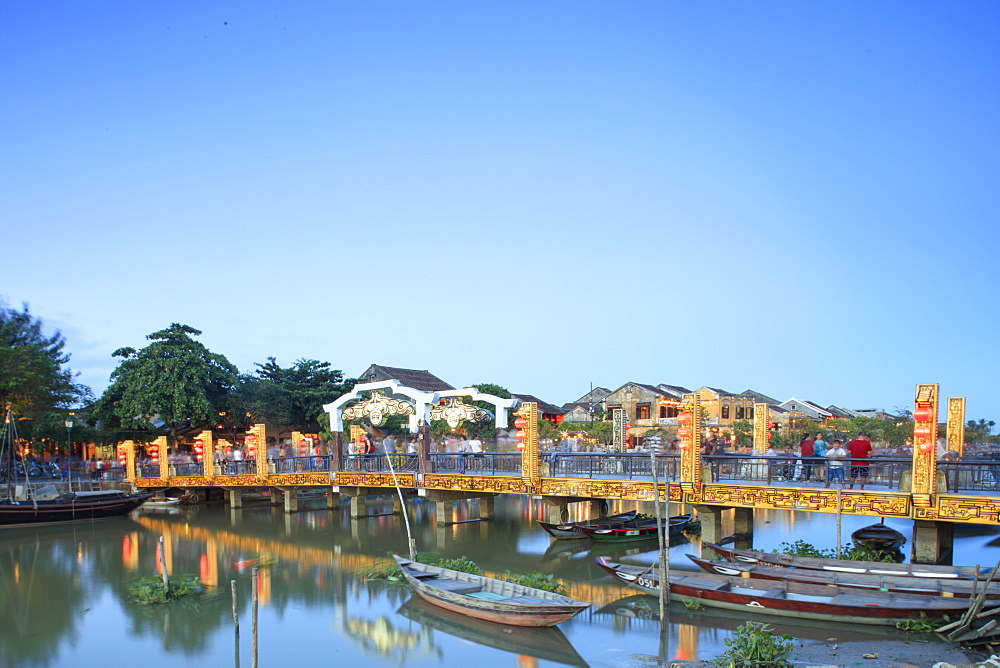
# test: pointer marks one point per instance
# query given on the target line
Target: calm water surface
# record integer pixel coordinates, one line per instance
(63, 590)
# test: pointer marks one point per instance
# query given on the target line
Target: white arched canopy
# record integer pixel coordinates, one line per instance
(420, 401)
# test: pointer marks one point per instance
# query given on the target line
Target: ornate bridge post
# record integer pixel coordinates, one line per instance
(619, 422)
(956, 424)
(206, 452)
(527, 423)
(925, 427)
(761, 430)
(690, 434)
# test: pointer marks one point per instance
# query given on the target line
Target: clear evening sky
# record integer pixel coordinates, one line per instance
(795, 197)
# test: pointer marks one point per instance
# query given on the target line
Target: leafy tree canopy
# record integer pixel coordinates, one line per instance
(294, 395)
(175, 378)
(33, 378)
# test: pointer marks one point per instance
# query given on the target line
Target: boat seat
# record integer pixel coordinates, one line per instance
(455, 586)
(527, 599)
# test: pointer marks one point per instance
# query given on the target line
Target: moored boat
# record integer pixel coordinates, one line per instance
(791, 599)
(847, 566)
(68, 507)
(570, 530)
(488, 598)
(638, 530)
(167, 501)
(879, 536)
(896, 583)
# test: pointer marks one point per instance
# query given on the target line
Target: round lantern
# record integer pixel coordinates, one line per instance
(925, 446)
(251, 443)
(520, 423)
(199, 450)
(684, 417)
(122, 456)
(684, 432)
(921, 431)
(923, 414)
(154, 452)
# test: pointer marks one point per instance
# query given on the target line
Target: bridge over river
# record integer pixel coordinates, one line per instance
(933, 494)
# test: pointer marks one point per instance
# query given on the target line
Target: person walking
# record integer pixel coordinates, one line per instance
(807, 450)
(860, 450)
(835, 456)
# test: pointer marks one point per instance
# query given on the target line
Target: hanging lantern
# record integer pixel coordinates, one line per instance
(199, 450)
(303, 448)
(520, 423)
(251, 443)
(684, 445)
(154, 452)
(684, 417)
(925, 446)
(923, 414)
(921, 431)
(684, 432)
(122, 455)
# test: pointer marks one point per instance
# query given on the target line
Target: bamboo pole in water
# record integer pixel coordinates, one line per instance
(236, 624)
(253, 624)
(163, 566)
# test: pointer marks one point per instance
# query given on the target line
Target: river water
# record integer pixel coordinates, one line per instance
(63, 590)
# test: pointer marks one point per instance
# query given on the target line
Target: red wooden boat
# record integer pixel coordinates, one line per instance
(791, 599)
(847, 566)
(488, 598)
(640, 530)
(569, 530)
(897, 583)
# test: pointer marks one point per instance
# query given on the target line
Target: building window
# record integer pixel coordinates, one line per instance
(739, 412)
(725, 412)
(642, 412)
(663, 411)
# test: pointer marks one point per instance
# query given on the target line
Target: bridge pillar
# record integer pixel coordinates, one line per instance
(598, 508)
(235, 495)
(444, 500)
(332, 499)
(711, 526)
(558, 509)
(486, 504)
(289, 497)
(743, 523)
(932, 541)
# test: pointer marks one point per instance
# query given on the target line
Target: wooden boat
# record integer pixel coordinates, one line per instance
(896, 583)
(641, 530)
(571, 530)
(847, 566)
(879, 536)
(547, 644)
(167, 501)
(487, 598)
(791, 599)
(69, 507)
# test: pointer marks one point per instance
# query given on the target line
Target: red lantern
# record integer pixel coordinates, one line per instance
(199, 450)
(122, 456)
(925, 446)
(923, 414)
(684, 432)
(251, 443)
(922, 431)
(684, 417)
(303, 448)
(684, 445)
(520, 423)
(154, 452)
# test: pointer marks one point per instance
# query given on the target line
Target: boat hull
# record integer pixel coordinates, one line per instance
(510, 603)
(573, 530)
(46, 512)
(636, 530)
(847, 566)
(786, 599)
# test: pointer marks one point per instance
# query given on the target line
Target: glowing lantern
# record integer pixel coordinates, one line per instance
(922, 431)
(154, 452)
(684, 432)
(520, 423)
(251, 443)
(303, 448)
(199, 450)
(925, 446)
(923, 414)
(122, 455)
(684, 417)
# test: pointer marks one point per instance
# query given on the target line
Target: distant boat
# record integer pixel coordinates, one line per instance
(879, 536)
(569, 530)
(791, 599)
(488, 598)
(903, 584)
(640, 530)
(167, 501)
(69, 507)
(848, 566)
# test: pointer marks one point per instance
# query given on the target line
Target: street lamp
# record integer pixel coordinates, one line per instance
(69, 445)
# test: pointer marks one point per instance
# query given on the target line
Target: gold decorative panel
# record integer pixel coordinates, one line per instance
(370, 479)
(965, 509)
(823, 500)
(956, 424)
(925, 426)
(761, 427)
(477, 483)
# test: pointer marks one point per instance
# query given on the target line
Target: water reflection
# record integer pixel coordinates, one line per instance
(63, 590)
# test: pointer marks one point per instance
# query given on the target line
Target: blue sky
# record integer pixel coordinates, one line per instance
(794, 197)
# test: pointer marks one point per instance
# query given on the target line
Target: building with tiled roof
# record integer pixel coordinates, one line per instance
(546, 411)
(415, 378)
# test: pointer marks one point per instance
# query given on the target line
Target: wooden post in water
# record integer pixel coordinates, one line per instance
(253, 635)
(163, 566)
(236, 623)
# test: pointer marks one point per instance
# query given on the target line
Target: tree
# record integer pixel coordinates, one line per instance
(175, 379)
(979, 432)
(292, 396)
(34, 381)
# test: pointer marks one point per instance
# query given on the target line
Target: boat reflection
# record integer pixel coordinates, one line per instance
(547, 644)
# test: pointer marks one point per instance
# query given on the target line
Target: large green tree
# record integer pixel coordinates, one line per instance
(174, 379)
(293, 396)
(34, 380)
